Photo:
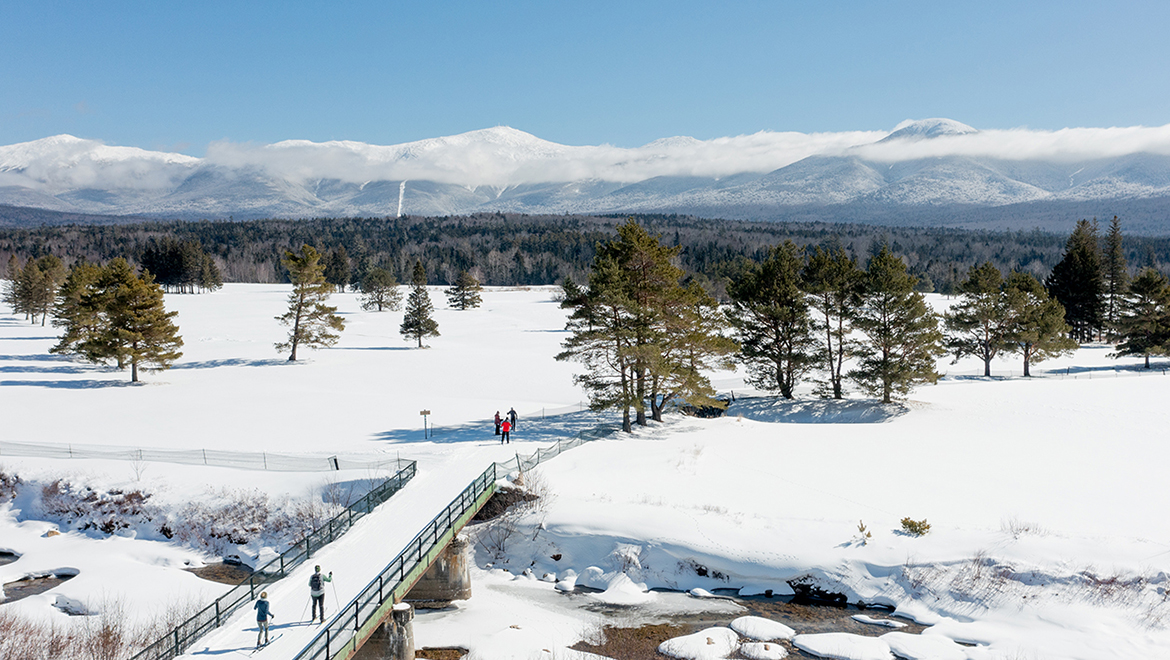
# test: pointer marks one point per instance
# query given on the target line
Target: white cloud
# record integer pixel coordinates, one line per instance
(506, 157)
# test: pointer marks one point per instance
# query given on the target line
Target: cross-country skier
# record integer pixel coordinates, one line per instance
(498, 419)
(317, 590)
(505, 427)
(512, 417)
(263, 614)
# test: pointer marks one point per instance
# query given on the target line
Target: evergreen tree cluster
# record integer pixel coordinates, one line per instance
(795, 314)
(1014, 315)
(511, 249)
(31, 288)
(110, 313)
(643, 335)
(180, 266)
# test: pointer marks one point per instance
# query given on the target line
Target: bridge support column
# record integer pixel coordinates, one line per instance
(393, 640)
(448, 579)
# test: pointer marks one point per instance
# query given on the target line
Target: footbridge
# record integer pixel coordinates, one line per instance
(371, 616)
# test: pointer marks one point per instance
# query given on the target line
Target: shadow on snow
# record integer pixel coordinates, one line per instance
(818, 411)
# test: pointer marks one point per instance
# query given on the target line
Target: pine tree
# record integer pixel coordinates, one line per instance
(312, 323)
(571, 294)
(982, 321)
(902, 335)
(464, 294)
(1116, 274)
(11, 277)
(380, 291)
(643, 337)
(75, 310)
(337, 268)
(1077, 282)
(1143, 322)
(112, 314)
(771, 318)
(602, 340)
(1038, 331)
(417, 322)
(146, 336)
(50, 275)
(209, 276)
(690, 341)
(833, 283)
(650, 279)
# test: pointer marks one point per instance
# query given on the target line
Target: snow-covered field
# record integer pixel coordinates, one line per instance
(1045, 496)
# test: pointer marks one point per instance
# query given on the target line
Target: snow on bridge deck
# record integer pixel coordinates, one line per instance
(355, 558)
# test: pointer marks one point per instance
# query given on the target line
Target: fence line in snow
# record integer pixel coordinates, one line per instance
(212, 457)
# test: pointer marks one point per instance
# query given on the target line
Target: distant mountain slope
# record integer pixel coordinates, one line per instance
(933, 170)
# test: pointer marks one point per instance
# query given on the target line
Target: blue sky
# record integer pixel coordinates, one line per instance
(178, 76)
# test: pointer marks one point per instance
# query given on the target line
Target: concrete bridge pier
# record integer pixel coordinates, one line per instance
(394, 639)
(448, 578)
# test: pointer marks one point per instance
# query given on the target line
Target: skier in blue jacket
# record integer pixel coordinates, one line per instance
(263, 614)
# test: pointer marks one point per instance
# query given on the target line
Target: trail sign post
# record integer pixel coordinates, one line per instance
(424, 414)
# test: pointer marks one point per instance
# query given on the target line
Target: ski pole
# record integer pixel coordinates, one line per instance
(305, 609)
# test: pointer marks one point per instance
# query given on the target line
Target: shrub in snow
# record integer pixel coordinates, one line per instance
(84, 508)
(915, 527)
(709, 644)
(9, 483)
(235, 517)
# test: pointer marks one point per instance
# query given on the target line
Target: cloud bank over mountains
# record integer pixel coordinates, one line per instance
(503, 156)
(932, 162)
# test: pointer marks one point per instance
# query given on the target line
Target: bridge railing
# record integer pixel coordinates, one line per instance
(185, 634)
(369, 606)
(365, 607)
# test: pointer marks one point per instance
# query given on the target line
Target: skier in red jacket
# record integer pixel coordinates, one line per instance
(506, 427)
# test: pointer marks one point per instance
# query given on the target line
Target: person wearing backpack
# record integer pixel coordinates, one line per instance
(317, 591)
(263, 614)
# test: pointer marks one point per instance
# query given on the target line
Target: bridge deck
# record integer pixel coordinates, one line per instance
(355, 559)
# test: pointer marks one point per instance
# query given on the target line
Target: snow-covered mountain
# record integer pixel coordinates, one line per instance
(923, 169)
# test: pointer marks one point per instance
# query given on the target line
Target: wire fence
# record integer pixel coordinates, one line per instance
(212, 457)
(521, 464)
(185, 634)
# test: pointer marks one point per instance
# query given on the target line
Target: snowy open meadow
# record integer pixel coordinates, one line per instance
(1046, 497)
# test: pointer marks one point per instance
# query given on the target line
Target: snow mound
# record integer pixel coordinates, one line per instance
(709, 644)
(843, 646)
(923, 647)
(889, 623)
(765, 630)
(762, 651)
(621, 590)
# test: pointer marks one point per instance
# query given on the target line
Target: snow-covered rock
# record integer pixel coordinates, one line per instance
(843, 646)
(709, 644)
(765, 630)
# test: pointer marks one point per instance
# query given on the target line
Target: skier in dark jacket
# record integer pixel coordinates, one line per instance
(317, 590)
(498, 420)
(263, 614)
(512, 416)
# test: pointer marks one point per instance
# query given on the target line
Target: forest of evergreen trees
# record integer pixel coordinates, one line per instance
(507, 249)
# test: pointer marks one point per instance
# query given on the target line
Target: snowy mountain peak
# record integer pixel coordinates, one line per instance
(919, 129)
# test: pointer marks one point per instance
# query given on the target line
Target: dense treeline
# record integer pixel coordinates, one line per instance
(508, 249)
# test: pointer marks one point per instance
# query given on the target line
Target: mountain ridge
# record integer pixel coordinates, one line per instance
(506, 169)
